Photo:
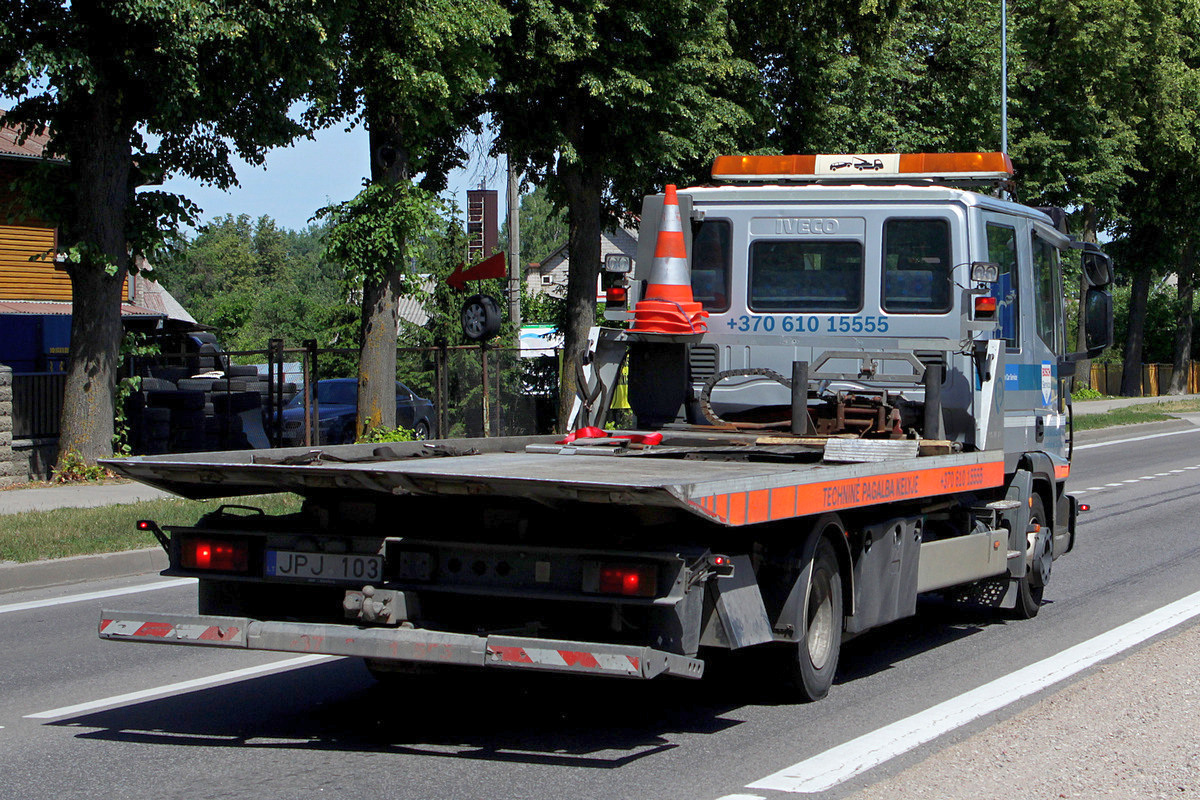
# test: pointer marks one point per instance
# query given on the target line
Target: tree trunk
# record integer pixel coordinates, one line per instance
(1183, 320)
(583, 186)
(100, 164)
(1139, 294)
(381, 292)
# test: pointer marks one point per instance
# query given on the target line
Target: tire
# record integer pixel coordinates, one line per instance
(242, 371)
(195, 384)
(816, 656)
(157, 385)
(480, 317)
(1032, 586)
(422, 430)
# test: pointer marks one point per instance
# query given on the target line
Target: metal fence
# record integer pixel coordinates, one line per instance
(37, 400)
(210, 401)
(1106, 378)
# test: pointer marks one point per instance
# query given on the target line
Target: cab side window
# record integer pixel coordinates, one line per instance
(1002, 250)
(1047, 294)
(916, 266)
(710, 264)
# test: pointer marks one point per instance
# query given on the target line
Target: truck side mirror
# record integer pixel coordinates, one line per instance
(1097, 267)
(1098, 322)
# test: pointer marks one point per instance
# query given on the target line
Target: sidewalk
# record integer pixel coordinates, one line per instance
(1085, 407)
(76, 495)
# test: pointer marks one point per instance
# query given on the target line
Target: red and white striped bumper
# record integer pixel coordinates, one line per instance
(399, 644)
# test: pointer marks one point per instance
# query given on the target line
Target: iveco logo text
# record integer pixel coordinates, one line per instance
(806, 226)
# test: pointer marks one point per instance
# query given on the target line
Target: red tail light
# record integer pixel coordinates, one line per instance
(616, 295)
(631, 580)
(986, 306)
(218, 555)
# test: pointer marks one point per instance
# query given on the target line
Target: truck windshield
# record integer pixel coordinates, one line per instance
(806, 275)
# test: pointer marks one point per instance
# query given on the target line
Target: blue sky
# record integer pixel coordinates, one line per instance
(300, 179)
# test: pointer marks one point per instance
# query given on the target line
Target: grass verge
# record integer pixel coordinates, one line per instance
(37, 535)
(1131, 415)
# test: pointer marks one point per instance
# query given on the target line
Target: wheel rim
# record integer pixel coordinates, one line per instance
(820, 622)
(473, 319)
(1041, 554)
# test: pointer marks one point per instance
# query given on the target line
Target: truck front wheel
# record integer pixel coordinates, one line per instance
(1032, 586)
(821, 635)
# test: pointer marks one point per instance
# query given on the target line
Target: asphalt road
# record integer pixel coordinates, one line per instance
(325, 728)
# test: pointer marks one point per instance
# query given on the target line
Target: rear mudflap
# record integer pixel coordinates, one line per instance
(399, 644)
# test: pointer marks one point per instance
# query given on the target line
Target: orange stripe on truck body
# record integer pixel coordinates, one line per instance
(836, 495)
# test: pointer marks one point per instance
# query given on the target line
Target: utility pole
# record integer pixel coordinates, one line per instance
(514, 247)
(1004, 76)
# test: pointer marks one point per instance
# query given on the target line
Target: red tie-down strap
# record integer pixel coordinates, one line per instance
(592, 432)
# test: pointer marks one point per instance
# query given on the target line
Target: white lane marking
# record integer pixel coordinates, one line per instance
(1147, 477)
(1094, 489)
(181, 687)
(85, 596)
(1112, 484)
(742, 797)
(1135, 439)
(828, 769)
(1132, 480)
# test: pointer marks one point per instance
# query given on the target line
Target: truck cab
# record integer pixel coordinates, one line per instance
(869, 275)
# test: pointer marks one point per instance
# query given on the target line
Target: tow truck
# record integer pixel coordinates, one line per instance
(851, 388)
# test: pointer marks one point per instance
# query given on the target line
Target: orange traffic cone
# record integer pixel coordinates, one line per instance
(668, 306)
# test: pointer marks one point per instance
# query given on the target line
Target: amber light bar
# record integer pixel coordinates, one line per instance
(860, 167)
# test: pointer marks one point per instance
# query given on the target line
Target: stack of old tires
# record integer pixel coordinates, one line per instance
(179, 410)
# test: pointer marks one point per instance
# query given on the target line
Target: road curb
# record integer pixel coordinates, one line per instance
(76, 569)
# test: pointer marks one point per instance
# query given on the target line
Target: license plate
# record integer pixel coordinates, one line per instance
(323, 566)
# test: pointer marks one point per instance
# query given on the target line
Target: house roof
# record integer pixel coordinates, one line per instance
(34, 146)
(62, 307)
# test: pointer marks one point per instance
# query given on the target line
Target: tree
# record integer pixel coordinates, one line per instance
(130, 91)
(255, 281)
(544, 226)
(414, 72)
(603, 102)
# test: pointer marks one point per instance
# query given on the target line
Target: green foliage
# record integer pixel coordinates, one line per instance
(132, 346)
(62, 532)
(1158, 344)
(418, 70)
(544, 226)
(382, 434)
(131, 91)
(255, 281)
(379, 228)
(1086, 393)
(74, 468)
(1133, 415)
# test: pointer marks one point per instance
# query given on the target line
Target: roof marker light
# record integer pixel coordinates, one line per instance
(859, 167)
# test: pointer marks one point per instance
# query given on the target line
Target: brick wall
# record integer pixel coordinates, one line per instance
(8, 467)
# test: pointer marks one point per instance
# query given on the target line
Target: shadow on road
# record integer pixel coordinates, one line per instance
(545, 719)
(502, 716)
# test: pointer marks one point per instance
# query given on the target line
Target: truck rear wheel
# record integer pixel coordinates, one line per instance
(1032, 586)
(821, 633)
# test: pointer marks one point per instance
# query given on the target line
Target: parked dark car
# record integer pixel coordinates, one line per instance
(337, 407)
